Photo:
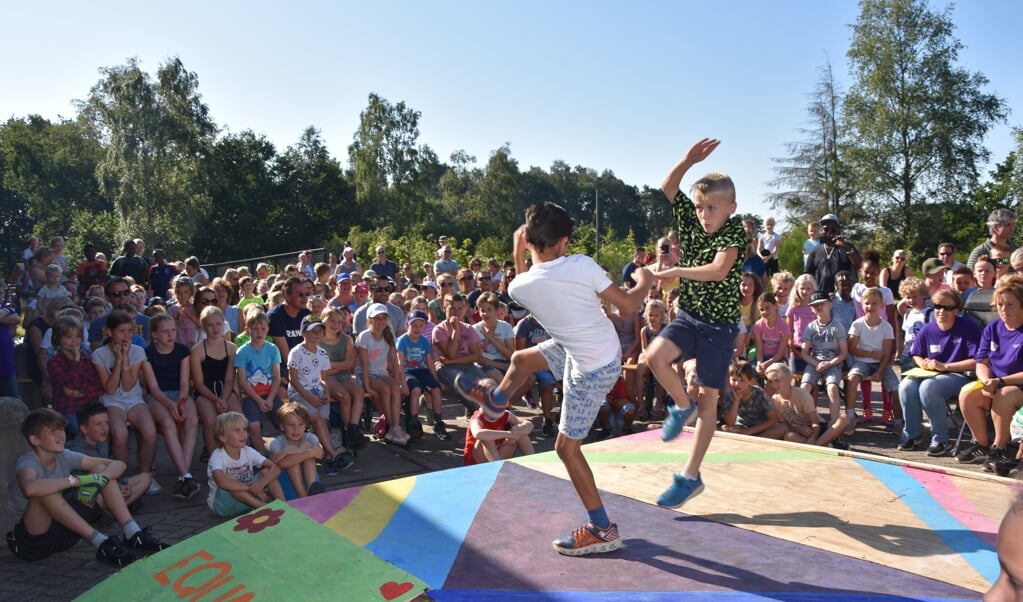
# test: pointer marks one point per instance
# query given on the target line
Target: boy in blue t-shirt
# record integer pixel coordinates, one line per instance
(259, 374)
(417, 360)
(710, 270)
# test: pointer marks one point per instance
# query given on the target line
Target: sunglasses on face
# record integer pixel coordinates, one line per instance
(207, 301)
(943, 253)
(999, 260)
(118, 294)
(466, 278)
(446, 284)
(300, 294)
(484, 278)
(382, 289)
(938, 306)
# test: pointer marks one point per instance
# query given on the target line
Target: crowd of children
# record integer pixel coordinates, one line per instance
(726, 353)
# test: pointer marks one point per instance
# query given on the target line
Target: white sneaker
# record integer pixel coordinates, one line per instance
(154, 487)
(392, 437)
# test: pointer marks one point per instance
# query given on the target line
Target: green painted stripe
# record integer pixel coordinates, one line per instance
(668, 458)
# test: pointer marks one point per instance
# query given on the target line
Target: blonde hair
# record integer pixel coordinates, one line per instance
(224, 422)
(715, 183)
(913, 286)
(786, 372)
(208, 312)
(292, 409)
(796, 298)
(872, 292)
(781, 278)
(256, 316)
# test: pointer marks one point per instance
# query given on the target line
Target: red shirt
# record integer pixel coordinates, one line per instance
(486, 423)
(80, 376)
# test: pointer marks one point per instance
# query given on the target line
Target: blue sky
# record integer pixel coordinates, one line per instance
(625, 86)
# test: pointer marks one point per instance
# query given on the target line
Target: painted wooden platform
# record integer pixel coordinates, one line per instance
(777, 522)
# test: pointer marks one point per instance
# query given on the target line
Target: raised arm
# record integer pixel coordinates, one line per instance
(698, 152)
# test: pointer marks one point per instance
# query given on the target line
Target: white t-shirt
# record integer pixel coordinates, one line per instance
(244, 468)
(562, 295)
(105, 357)
(378, 352)
(504, 332)
(886, 294)
(310, 365)
(871, 338)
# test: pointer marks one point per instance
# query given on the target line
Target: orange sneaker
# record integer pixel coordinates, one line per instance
(588, 539)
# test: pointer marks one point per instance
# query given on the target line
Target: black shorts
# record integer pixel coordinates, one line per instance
(420, 378)
(36, 547)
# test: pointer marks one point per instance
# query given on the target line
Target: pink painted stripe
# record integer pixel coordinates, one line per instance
(322, 507)
(943, 490)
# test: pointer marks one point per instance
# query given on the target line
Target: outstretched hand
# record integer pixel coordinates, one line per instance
(701, 150)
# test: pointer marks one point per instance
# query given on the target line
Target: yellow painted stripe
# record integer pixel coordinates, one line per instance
(362, 520)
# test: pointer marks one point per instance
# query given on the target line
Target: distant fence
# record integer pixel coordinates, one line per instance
(276, 262)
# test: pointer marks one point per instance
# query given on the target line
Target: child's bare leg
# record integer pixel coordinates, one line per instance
(604, 416)
(308, 472)
(321, 430)
(118, 434)
(296, 474)
(547, 401)
(570, 452)
(275, 489)
(436, 402)
(256, 437)
(337, 392)
(524, 363)
(248, 499)
(41, 511)
(660, 357)
(190, 429)
(777, 431)
(706, 424)
(486, 451)
(208, 416)
(524, 444)
(169, 427)
(145, 435)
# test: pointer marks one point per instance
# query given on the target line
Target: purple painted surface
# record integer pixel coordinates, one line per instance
(321, 507)
(509, 547)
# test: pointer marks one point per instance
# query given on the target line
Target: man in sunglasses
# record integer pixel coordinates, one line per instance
(118, 295)
(947, 255)
(382, 289)
(286, 322)
(833, 255)
(484, 284)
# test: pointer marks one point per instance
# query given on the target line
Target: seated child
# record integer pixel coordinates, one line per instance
(750, 411)
(798, 420)
(94, 431)
(70, 371)
(306, 365)
(416, 357)
(871, 339)
(616, 412)
(823, 353)
(494, 434)
(239, 476)
(296, 451)
(258, 366)
(655, 316)
(44, 523)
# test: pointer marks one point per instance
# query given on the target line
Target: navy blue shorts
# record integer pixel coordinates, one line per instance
(420, 378)
(252, 413)
(710, 344)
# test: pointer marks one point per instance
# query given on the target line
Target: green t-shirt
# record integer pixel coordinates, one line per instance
(712, 302)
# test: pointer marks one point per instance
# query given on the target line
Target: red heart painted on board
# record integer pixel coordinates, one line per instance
(392, 590)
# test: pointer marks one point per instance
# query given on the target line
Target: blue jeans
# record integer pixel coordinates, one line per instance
(931, 395)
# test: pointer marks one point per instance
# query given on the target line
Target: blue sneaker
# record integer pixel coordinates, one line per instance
(342, 462)
(680, 491)
(329, 469)
(481, 392)
(677, 418)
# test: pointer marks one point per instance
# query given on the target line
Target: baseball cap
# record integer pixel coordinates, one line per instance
(369, 275)
(819, 297)
(416, 314)
(376, 309)
(362, 287)
(933, 266)
(344, 276)
(310, 322)
(830, 217)
(431, 284)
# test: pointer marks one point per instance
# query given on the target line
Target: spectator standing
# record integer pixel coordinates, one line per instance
(833, 255)
(130, 265)
(1001, 224)
(384, 266)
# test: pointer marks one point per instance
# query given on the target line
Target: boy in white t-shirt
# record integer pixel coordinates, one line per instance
(583, 347)
(871, 340)
(239, 476)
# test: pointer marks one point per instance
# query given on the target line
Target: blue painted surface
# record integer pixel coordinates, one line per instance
(427, 531)
(977, 552)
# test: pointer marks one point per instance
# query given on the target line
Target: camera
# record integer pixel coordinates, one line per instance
(827, 240)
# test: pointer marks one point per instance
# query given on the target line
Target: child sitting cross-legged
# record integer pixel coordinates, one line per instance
(44, 523)
(495, 433)
(616, 412)
(239, 476)
(798, 420)
(750, 411)
(296, 451)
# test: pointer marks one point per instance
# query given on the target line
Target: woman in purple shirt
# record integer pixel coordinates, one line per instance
(947, 345)
(1000, 368)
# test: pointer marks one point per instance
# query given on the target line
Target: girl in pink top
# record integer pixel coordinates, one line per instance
(798, 317)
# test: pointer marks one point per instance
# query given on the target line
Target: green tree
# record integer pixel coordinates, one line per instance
(915, 119)
(811, 179)
(157, 134)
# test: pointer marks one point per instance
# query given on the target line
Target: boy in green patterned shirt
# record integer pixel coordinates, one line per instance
(705, 327)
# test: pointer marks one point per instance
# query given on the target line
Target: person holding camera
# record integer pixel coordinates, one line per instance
(832, 256)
